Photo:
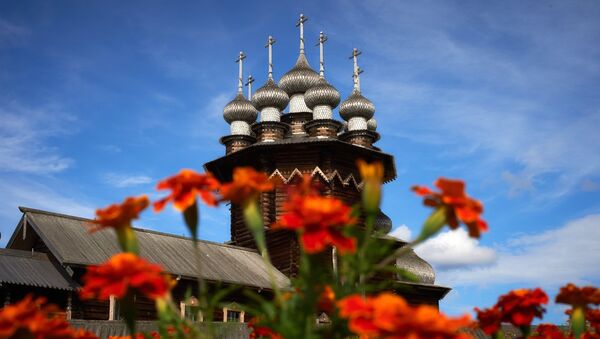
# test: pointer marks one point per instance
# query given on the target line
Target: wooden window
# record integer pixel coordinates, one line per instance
(189, 310)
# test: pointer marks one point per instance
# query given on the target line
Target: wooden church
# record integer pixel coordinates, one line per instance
(296, 134)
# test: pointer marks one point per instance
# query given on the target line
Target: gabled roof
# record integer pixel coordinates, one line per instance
(68, 239)
(32, 269)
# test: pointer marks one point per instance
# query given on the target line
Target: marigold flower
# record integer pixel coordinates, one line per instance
(122, 272)
(326, 300)
(33, 316)
(578, 296)
(548, 331)
(593, 316)
(262, 331)
(319, 220)
(489, 319)
(459, 207)
(246, 186)
(185, 186)
(119, 216)
(389, 316)
(520, 306)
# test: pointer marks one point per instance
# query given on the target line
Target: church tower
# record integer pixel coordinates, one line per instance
(307, 139)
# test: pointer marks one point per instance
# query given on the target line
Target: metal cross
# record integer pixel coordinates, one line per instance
(269, 45)
(300, 24)
(240, 61)
(249, 84)
(322, 39)
(357, 71)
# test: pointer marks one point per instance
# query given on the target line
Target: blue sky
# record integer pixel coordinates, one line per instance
(100, 100)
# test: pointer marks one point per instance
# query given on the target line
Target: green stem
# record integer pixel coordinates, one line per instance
(578, 321)
(254, 221)
(127, 239)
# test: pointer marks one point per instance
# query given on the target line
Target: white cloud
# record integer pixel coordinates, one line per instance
(124, 180)
(24, 134)
(455, 248)
(401, 232)
(570, 253)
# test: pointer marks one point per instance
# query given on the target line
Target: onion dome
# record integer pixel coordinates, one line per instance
(372, 124)
(322, 94)
(240, 109)
(270, 95)
(415, 265)
(383, 222)
(300, 78)
(357, 106)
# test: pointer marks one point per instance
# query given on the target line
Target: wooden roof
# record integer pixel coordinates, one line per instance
(32, 269)
(68, 239)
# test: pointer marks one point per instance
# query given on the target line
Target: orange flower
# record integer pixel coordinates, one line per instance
(32, 318)
(326, 300)
(489, 319)
(246, 186)
(593, 316)
(459, 206)
(122, 272)
(519, 307)
(548, 331)
(119, 216)
(389, 316)
(319, 220)
(185, 186)
(261, 331)
(578, 296)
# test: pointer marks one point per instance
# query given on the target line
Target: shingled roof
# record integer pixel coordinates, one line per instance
(68, 239)
(32, 269)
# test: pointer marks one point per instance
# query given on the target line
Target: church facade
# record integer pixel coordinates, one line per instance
(286, 129)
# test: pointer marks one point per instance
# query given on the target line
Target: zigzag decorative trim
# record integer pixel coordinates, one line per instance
(350, 179)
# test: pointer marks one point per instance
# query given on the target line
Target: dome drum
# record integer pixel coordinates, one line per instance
(269, 131)
(240, 127)
(323, 128)
(297, 104)
(322, 112)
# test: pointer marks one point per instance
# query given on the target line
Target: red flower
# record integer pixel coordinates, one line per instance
(593, 316)
(32, 318)
(247, 185)
(547, 331)
(326, 300)
(389, 316)
(185, 186)
(519, 307)
(459, 206)
(122, 272)
(489, 319)
(261, 331)
(319, 220)
(578, 296)
(119, 216)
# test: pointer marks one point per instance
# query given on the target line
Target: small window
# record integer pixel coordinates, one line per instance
(233, 316)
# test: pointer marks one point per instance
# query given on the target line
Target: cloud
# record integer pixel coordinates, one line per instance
(570, 253)
(502, 100)
(124, 180)
(452, 249)
(401, 232)
(25, 134)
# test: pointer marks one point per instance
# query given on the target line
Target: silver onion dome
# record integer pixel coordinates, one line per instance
(322, 94)
(415, 265)
(300, 78)
(240, 109)
(270, 95)
(372, 125)
(383, 222)
(355, 106)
